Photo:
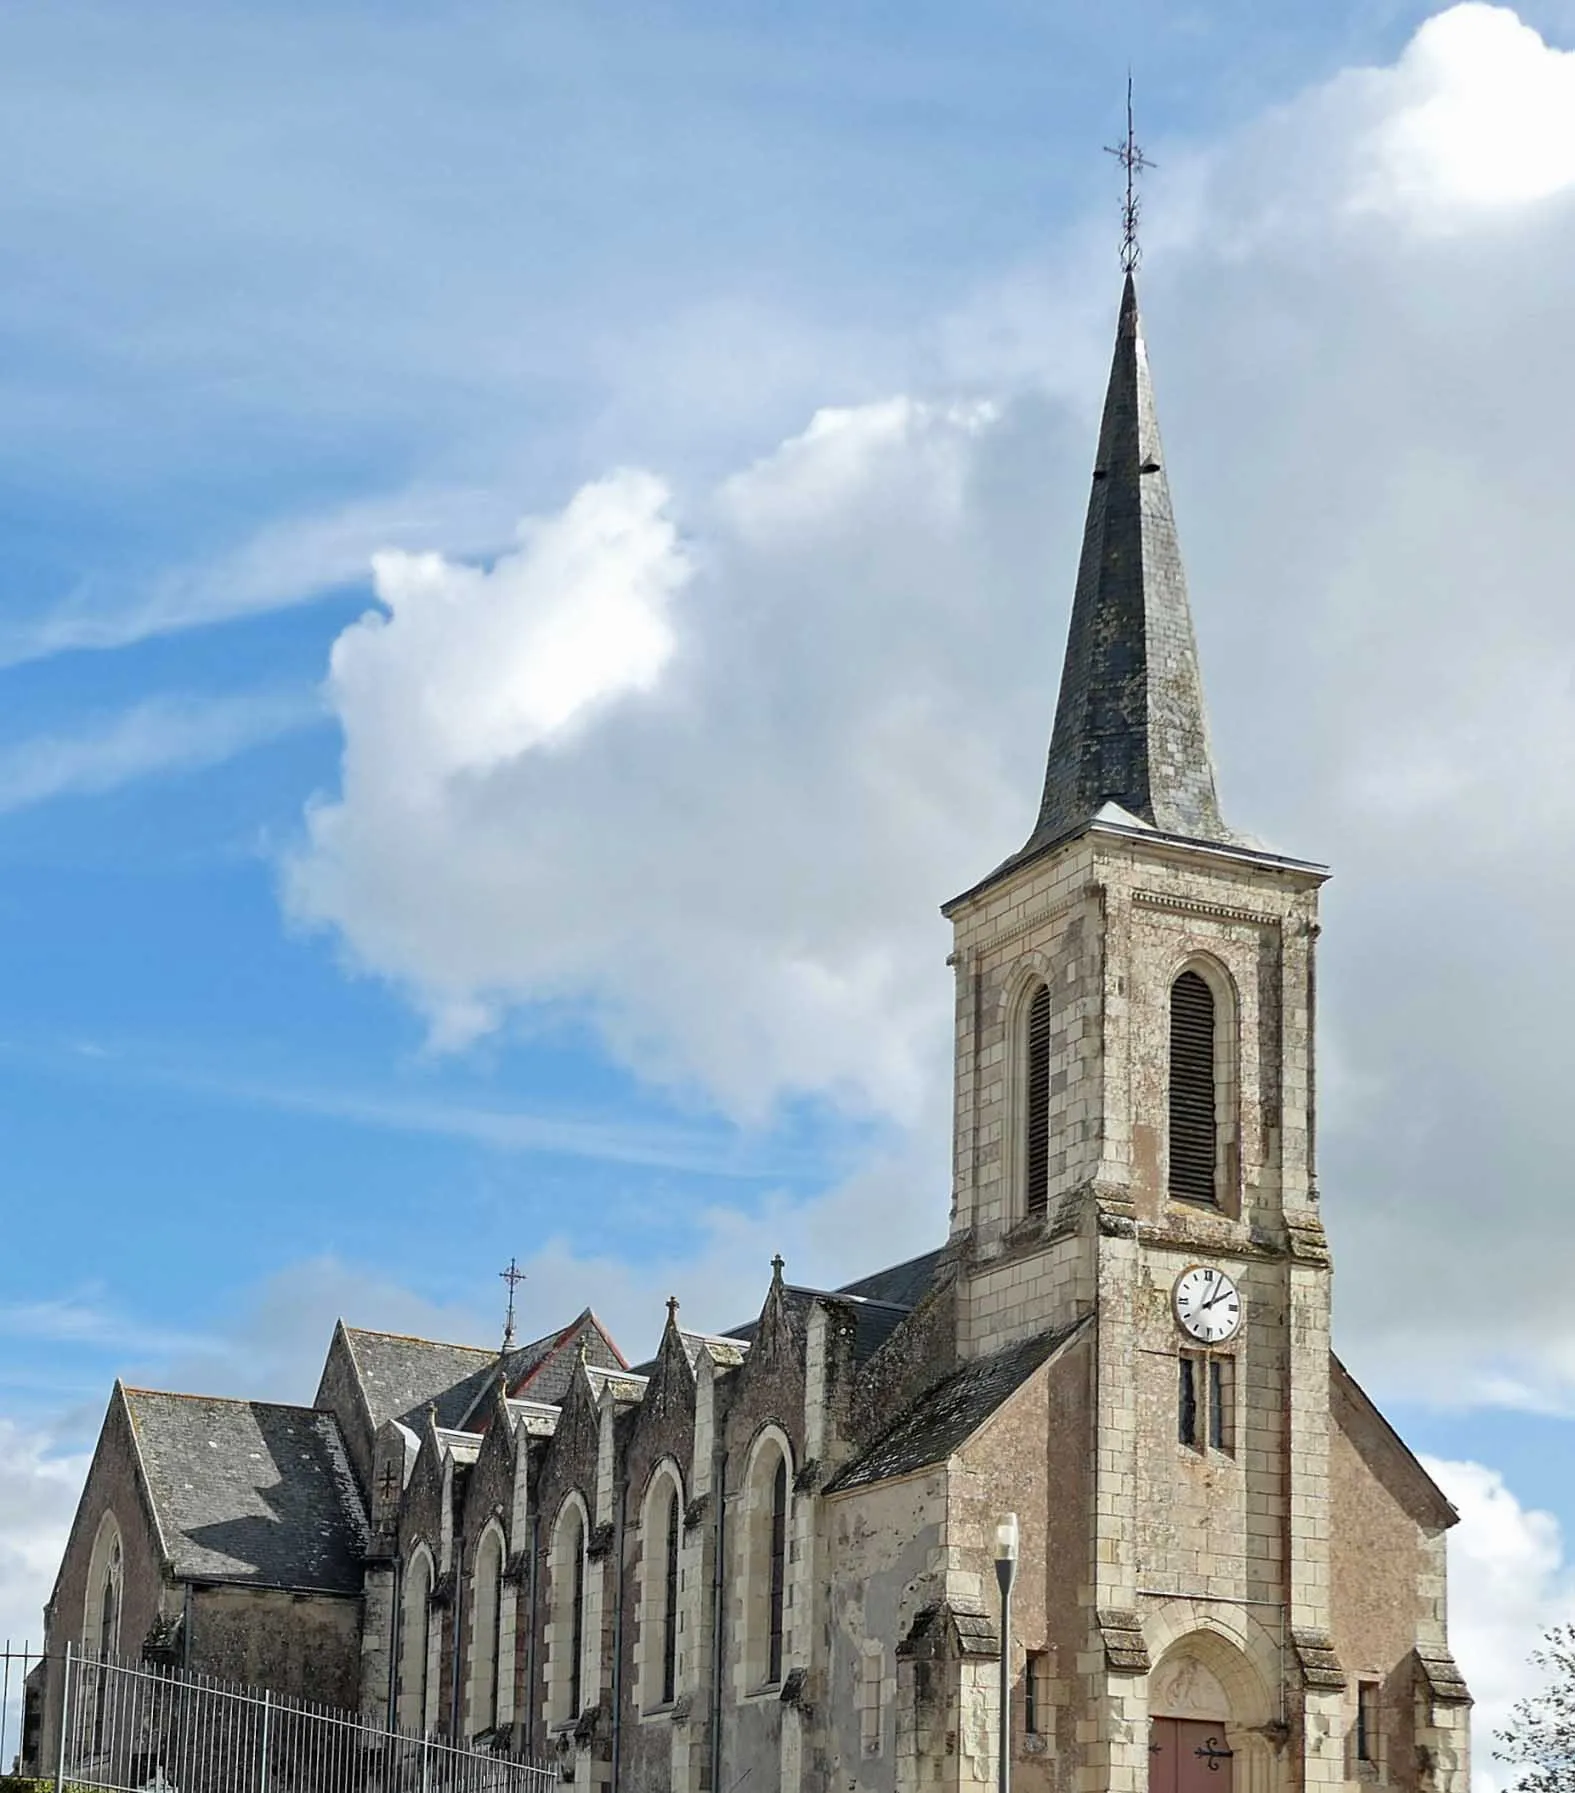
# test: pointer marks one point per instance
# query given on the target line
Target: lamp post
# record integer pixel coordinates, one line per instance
(1005, 1572)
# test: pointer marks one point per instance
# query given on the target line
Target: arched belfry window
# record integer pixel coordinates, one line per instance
(1194, 1108)
(1036, 1104)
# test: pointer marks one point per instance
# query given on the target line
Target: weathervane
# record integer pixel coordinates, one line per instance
(1134, 162)
(513, 1276)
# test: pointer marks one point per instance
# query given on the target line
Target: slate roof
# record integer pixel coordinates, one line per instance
(1129, 724)
(249, 1491)
(873, 1321)
(554, 1370)
(724, 1349)
(880, 1302)
(401, 1377)
(946, 1415)
(725, 1352)
(906, 1283)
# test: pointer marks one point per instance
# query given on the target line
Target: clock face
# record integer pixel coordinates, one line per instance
(1208, 1304)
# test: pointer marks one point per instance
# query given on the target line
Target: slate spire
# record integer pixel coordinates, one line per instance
(1130, 727)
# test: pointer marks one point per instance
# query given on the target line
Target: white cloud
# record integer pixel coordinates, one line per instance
(1509, 1580)
(160, 735)
(1477, 116)
(288, 562)
(709, 788)
(38, 1495)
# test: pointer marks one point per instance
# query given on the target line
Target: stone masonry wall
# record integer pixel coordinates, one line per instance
(304, 1646)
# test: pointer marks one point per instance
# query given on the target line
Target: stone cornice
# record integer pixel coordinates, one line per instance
(1180, 905)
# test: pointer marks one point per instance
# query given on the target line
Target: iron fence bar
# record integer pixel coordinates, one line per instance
(262, 1776)
(5, 1705)
(65, 1720)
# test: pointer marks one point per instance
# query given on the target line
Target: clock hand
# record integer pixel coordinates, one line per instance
(1214, 1298)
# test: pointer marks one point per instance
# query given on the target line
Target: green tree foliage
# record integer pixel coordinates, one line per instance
(1539, 1739)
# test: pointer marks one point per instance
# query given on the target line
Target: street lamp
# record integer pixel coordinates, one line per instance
(1005, 1571)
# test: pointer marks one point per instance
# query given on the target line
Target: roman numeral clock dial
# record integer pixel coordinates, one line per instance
(1207, 1304)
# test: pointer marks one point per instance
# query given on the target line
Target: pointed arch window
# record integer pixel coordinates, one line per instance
(101, 1615)
(670, 1602)
(101, 1619)
(763, 1563)
(1194, 1106)
(661, 1531)
(1036, 1104)
(417, 1623)
(568, 1614)
(486, 1633)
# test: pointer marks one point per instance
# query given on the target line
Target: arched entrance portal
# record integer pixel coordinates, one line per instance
(1207, 1706)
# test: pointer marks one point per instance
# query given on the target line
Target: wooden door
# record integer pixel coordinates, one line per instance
(1188, 1755)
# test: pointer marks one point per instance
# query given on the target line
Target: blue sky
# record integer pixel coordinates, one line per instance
(367, 927)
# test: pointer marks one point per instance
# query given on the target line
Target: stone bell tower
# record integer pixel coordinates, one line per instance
(1134, 1140)
(1135, 986)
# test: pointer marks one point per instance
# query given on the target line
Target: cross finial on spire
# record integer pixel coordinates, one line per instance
(778, 1265)
(672, 1310)
(513, 1276)
(1134, 162)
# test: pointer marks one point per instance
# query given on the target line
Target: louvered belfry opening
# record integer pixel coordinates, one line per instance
(1192, 1109)
(1037, 1140)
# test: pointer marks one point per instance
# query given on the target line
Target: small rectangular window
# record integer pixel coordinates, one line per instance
(1367, 1721)
(1221, 1418)
(1036, 1693)
(870, 1702)
(1187, 1402)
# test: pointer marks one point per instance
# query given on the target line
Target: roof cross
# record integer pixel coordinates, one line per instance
(513, 1276)
(1132, 159)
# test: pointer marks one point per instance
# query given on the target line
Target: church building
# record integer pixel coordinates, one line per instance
(767, 1558)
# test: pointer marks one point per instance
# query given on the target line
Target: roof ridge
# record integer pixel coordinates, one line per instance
(186, 1394)
(412, 1338)
(796, 1288)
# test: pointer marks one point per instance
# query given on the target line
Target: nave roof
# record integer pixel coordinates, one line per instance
(250, 1491)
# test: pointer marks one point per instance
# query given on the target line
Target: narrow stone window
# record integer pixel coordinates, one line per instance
(417, 1600)
(1193, 1115)
(1036, 1693)
(577, 1629)
(1036, 1110)
(567, 1660)
(1221, 1418)
(105, 1644)
(1187, 1401)
(486, 1625)
(777, 1590)
(101, 1616)
(873, 1671)
(670, 1603)
(1367, 1721)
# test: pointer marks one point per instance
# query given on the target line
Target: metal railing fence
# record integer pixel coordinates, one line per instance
(15, 1667)
(132, 1728)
